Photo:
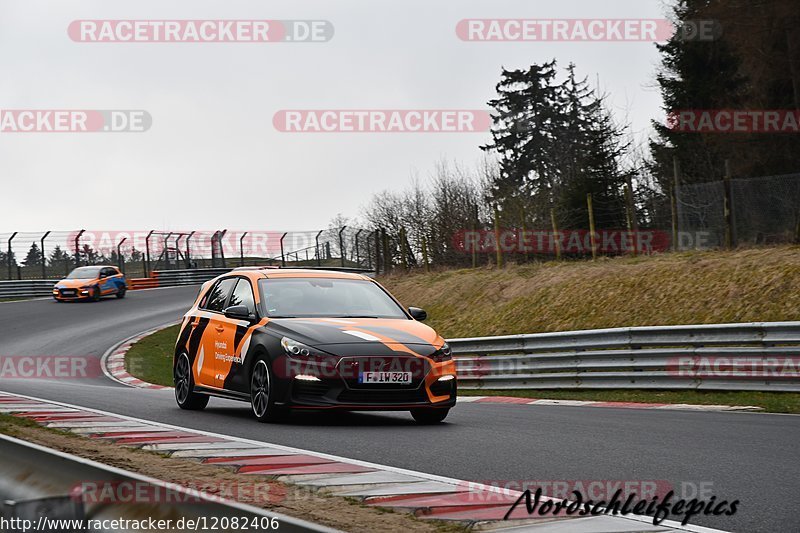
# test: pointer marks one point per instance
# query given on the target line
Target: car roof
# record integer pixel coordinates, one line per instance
(310, 273)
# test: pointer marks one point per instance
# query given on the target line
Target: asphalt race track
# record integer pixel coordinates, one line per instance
(745, 456)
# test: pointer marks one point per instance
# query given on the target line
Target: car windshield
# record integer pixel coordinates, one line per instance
(326, 297)
(84, 273)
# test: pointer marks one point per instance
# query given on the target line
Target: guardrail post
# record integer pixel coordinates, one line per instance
(120, 260)
(283, 257)
(241, 249)
(341, 244)
(78, 248)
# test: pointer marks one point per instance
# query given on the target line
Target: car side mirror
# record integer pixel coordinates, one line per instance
(417, 313)
(239, 312)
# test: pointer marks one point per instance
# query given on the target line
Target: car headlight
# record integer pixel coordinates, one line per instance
(294, 348)
(442, 354)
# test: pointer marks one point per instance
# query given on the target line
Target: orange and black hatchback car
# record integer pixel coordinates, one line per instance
(310, 339)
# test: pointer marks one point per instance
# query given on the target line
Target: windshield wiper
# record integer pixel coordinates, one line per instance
(354, 316)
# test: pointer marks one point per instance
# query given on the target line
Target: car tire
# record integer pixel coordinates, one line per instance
(121, 292)
(184, 386)
(429, 416)
(262, 400)
(96, 294)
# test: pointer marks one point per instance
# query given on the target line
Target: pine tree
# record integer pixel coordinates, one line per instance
(34, 257)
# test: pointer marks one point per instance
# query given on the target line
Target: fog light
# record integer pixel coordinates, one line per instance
(447, 378)
(85, 293)
(306, 377)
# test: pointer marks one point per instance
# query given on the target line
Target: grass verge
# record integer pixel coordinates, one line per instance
(150, 359)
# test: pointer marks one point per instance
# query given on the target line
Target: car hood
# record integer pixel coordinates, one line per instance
(346, 335)
(75, 283)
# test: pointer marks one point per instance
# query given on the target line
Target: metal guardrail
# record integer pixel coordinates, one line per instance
(27, 288)
(751, 356)
(37, 481)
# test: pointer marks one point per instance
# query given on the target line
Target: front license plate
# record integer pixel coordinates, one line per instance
(402, 378)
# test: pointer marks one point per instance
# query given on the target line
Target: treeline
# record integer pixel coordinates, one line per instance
(554, 141)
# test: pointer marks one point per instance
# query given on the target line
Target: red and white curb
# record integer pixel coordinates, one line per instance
(620, 405)
(113, 361)
(427, 496)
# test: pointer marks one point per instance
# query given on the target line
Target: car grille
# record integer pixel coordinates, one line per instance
(68, 292)
(372, 397)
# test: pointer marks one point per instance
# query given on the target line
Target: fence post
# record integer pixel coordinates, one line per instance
(283, 257)
(425, 254)
(387, 257)
(77, 248)
(119, 255)
(498, 250)
(241, 249)
(188, 257)
(316, 248)
(44, 256)
(630, 216)
(358, 255)
(165, 253)
(673, 200)
(591, 226)
(730, 230)
(403, 256)
(556, 235)
(222, 248)
(377, 236)
(147, 253)
(521, 238)
(10, 254)
(474, 247)
(341, 244)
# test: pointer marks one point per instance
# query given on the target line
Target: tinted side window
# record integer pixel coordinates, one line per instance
(243, 295)
(219, 294)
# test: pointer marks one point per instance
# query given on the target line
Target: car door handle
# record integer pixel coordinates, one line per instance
(219, 329)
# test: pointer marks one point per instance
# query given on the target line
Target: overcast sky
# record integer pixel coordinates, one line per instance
(212, 158)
